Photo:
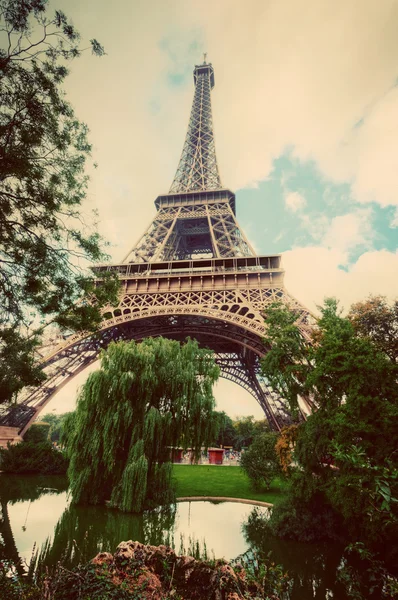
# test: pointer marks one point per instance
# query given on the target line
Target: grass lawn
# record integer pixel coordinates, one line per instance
(204, 480)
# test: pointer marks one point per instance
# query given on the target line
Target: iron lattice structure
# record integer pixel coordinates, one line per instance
(198, 168)
(193, 273)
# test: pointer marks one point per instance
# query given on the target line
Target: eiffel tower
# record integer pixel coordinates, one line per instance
(193, 273)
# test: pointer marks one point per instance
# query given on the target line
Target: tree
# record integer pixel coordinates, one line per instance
(43, 153)
(354, 387)
(284, 447)
(56, 423)
(38, 432)
(288, 363)
(146, 399)
(379, 321)
(226, 435)
(247, 428)
(260, 461)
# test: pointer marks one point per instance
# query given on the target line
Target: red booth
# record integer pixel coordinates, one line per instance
(176, 455)
(216, 456)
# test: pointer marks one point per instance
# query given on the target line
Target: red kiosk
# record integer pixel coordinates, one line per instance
(216, 456)
(176, 455)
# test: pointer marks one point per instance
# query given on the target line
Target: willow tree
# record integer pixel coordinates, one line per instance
(146, 399)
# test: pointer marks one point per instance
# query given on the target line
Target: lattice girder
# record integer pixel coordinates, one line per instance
(230, 317)
(76, 354)
(180, 233)
(198, 169)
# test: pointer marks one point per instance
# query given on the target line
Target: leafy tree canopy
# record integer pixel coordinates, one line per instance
(247, 428)
(44, 242)
(260, 461)
(226, 434)
(353, 384)
(378, 320)
(146, 399)
(56, 423)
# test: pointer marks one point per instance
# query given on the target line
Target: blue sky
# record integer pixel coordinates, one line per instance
(276, 227)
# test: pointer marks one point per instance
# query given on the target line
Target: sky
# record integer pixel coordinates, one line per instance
(305, 113)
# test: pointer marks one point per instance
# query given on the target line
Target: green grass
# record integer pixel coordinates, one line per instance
(204, 480)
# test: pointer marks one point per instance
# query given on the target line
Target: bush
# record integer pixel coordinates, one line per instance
(260, 461)
(306, 515)
(38, 432)
(32, 457)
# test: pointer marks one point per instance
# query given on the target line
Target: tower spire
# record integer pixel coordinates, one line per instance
(198, 169)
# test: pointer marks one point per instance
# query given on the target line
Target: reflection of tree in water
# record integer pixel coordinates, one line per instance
(313, 568)
(83, 531)
(14, 488)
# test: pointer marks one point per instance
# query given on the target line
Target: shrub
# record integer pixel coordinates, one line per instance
(32, 457)
(260, 461)
(38, 432)
(306, 515)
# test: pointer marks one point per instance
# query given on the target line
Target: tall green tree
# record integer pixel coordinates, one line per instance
(377, 319)
(247, 429)
(56, 423)
(354, 387)
(146, 399)
(44, 242)
(288, 361)
(226, 434)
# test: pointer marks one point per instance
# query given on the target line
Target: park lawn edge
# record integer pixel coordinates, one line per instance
(223, 482)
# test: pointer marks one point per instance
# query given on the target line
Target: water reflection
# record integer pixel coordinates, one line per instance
(23, 491)
(313, 568)
(37, 509)
(83, 531)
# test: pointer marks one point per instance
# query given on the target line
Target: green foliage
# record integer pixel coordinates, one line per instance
(260, 461)
(17, 361)
(305, 514)
(260, 570)
(38, 432)
(346, 450)
(13, 588)
(146, 398)
(370, 491)
(287, 362)
(247, 428)
(56, 423)
(33, 457)
(44, 242)
(90, 581)
(376, 319)
(226, 434)
(364, 576)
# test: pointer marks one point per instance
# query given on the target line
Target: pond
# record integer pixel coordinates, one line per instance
(36, 512)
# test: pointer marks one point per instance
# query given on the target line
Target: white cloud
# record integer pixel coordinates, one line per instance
(314, 273)
(294, 201)
(315, 224)
(343, 232)
(394, 222)
(349, 231)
